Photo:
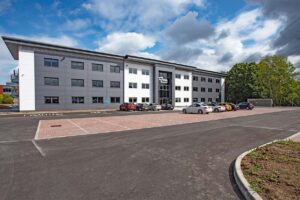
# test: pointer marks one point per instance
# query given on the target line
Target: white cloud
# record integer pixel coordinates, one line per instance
(126, 43)
(76, 24)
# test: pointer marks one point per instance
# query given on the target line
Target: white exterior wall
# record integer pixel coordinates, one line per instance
(139, 79)
(26, 80)
(182, 83)
(222, 89)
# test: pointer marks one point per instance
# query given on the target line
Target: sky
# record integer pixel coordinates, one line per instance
(208, 34)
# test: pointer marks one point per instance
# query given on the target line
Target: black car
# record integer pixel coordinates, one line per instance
(167, 106)
(142, 107)
(246, 105)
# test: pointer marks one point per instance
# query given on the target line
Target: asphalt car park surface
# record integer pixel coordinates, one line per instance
(187, 161)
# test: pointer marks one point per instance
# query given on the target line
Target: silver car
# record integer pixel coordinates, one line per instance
(199, 108)
(154, 107)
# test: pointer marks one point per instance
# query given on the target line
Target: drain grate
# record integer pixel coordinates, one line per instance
(57, 125)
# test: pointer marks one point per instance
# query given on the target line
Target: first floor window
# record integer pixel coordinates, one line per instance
(217, 80)
(51, 81)
(97, 83)
(195, 78)
(202, 99)
(132, 85)
(217, 90)
(77, 65)
(145, 86)
(186, 88)
(132, 70)
(177, 76)
(186, 100)
(114, 99)
(202, 89)
(203, 79)
(77, 82)
(97, 67)
(209, 80)
(132, 99)
(145, 99)
(145, 72)
(97, 99)
(115, 84)
(50, 62)
(178, 100)
(195, 89)
(51, 100)
(187, 77)
(114, 69)
(78, 100)
(177, 88)
(195, 100)
(209, 99)
(209, 89)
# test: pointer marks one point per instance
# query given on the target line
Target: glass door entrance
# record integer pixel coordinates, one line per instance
(165, 87)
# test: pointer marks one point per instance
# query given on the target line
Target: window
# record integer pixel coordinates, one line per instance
(50, 62)
(217, 80)
(77, 82)
(217, 90)
(51, 100)
(114, 99)
(203, 79)
(187, 77)
(97, 83)
(195, 89)
(186, 100)
(217, 100)
(195, 78)
(132, 99)
(202, 99)
(7, 90)
(132, 85)
(177, 88)
(145, 72)
(77, 65)
(209, 80)
(78, 100)
(51, 81)
(132, 71)
(178, 76)
(202, 89)
(145, 86)
(209, 89)
(115, 84)
(97, 99)
(178, 100)
(114, 69)
(195, 100)
(186, 88)
(145, 99)
(97, 67)
(209, 99)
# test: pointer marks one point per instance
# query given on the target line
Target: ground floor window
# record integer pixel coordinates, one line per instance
(178, 100)
(114, 99)
(78, 100)
(97, 99)
(186, 100)
(195, 100)
(51, 100)
(209, 99)
(202, 99)
(132, 99)
(145, 99)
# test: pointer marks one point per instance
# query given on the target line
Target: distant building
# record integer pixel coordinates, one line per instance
(12, 87)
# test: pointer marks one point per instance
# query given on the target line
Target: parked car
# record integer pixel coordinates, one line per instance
(142, 107)
(154, 107)
(127, 107)
(246, 105)
(199, 108)
(227, 106)
(234, 106)
(216, 107)
(167, 106)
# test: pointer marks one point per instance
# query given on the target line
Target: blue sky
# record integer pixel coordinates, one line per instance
(212, 35)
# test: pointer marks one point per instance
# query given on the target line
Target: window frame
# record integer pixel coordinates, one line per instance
(50, 60)
(113, 82)
(97, 64)
(95, 86)
(78, 99)
(132, 70)
(53, 78)
(115, 99)
(114, 67)
(186, 88)
(131, 85)
(186, 77)
(51, 99)
(145, 84)
(147, 72)
(76, 67)
(75, 79)
(99, 100)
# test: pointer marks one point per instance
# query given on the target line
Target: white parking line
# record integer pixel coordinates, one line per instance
(113, 124)
(264, 127)
(37, 130)
(38, 148)
(69, 120)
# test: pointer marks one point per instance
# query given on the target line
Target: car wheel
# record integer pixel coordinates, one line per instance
(200, 112)
(184, 111)
(216, 110)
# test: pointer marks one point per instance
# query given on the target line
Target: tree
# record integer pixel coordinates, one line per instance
(240, 82)
(6, 99)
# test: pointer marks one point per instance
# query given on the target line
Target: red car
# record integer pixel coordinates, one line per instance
(127, 107)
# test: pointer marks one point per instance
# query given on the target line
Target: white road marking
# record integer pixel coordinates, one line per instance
(37, 130)
(114, 124)
(264, 127)
(38, 148)
(69, 120)
(13, 141)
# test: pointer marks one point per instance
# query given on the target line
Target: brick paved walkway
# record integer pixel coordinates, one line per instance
(81, 126)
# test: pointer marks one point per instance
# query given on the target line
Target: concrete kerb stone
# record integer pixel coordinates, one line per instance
(243, 185)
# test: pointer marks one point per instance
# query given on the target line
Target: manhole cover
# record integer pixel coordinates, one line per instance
(58, 125)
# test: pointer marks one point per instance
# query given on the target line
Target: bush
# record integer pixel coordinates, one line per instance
(6, 99)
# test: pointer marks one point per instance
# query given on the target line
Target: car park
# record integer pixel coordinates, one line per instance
(154, 107)
(216, 107)
(198, 108)
(142, 107)
(167, 106)
(246, 105)
(127, 107)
